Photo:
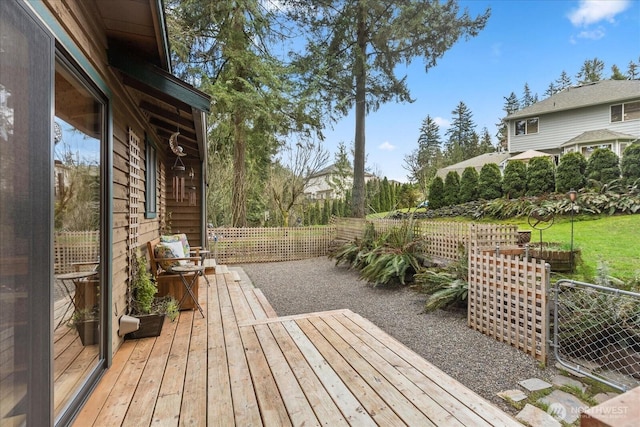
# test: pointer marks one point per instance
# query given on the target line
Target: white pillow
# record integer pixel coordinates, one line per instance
(178, 250)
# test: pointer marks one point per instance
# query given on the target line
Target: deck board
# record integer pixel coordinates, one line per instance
(242, 365)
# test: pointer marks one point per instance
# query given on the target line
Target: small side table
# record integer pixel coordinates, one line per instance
(203, 255)
(71, 277)
(183, 270)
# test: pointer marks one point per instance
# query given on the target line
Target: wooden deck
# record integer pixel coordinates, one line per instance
(244, 366)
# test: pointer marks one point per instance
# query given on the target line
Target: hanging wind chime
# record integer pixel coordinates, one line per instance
(178, 180)
(192, 189)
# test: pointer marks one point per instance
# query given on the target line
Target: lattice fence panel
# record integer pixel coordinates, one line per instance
(507, 300)
(135, 192)
(244, 245)
(73, 247)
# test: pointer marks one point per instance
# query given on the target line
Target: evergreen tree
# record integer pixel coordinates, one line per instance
(339, 180)
(540, 177)
(632, 71)
(326, 211)
(563, 82)
(462, 138)
(485, 145)
(514, 182)
(527, 98)
(571, 172)
(511, 105)
(603, 166)
(385, 199)
(451, 188)
(630, 163)
(355, 48)
(436, 193)
(551, 90)
(490, 182)
(591, 71)
(616, 74)
(469, 185)
(423, 162)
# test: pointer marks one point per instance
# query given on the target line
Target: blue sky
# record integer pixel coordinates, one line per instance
(524, 42)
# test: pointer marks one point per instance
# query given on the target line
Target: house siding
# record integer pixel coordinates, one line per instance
(558, 128)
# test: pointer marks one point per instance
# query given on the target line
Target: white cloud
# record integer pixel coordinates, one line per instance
(592, 11)
(443, 123)
(386, 146)
(596, 34)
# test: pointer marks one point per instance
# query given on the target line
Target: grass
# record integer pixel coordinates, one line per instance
(609, 239)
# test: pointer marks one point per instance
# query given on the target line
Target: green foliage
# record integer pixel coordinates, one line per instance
(540, 176)
(143, 289)
(571, 172)
(490, 182)
(451, 188)
(603, 166)
(463, 141)
(469, 185)
(514, 182)
(446, 287)
(630, 163)
(436, 193)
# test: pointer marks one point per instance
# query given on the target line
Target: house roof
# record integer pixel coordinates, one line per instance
(602, 92)
(334, 169)
(529, 154)
(600, 135)
(476, 162)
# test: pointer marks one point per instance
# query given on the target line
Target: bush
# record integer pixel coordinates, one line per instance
(540, 178)
(436, 193)
(630, 163)
(469, 185)
(451, 188)
(603, 166)
(514, 183)
(490, 182)
(571, 172)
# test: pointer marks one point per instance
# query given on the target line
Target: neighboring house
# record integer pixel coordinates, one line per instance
(322, 185)
(476, 162)
(580, 118)
(101, 68)
(530, 154)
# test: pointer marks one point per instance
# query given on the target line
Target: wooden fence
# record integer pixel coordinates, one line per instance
(244, 245)
(73, 247)
(507, 298)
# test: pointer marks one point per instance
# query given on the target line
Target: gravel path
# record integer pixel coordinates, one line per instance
(443, 338)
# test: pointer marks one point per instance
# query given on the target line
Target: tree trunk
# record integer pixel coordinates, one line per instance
(239, 202)
(358, 194)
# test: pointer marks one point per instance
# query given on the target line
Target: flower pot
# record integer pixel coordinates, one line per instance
(88, 331)
(150, 326)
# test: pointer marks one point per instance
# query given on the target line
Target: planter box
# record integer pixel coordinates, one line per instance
(150, 326)
(88, 331)
(560, 261)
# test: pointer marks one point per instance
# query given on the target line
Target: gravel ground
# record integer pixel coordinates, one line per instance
(481, 363)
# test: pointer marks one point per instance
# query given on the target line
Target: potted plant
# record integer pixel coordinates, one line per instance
(86, 322)
(144, 304)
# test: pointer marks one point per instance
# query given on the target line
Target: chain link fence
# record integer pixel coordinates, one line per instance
(596, 332)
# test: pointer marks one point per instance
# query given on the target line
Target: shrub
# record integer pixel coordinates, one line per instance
(436, 193)
(603, 166)
(490, 182)
(540, 178)
(446, 287)
(469, 185)
(571, 172)
(451, 188)
(514, 183)
(630, 163)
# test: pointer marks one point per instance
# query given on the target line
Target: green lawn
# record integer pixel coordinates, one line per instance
(612, 239)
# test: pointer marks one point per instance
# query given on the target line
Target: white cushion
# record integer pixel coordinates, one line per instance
(178, 250)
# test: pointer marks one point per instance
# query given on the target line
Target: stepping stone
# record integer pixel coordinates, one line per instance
(534, 384)
(603, 397)
(564, 406)
(514, 395)
(560, 380)
(533, 416)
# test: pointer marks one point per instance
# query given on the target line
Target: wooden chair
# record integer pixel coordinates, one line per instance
(170, 283)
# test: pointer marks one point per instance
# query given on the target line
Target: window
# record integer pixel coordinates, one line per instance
(150, 179)
(528, 126)
(625, 112)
